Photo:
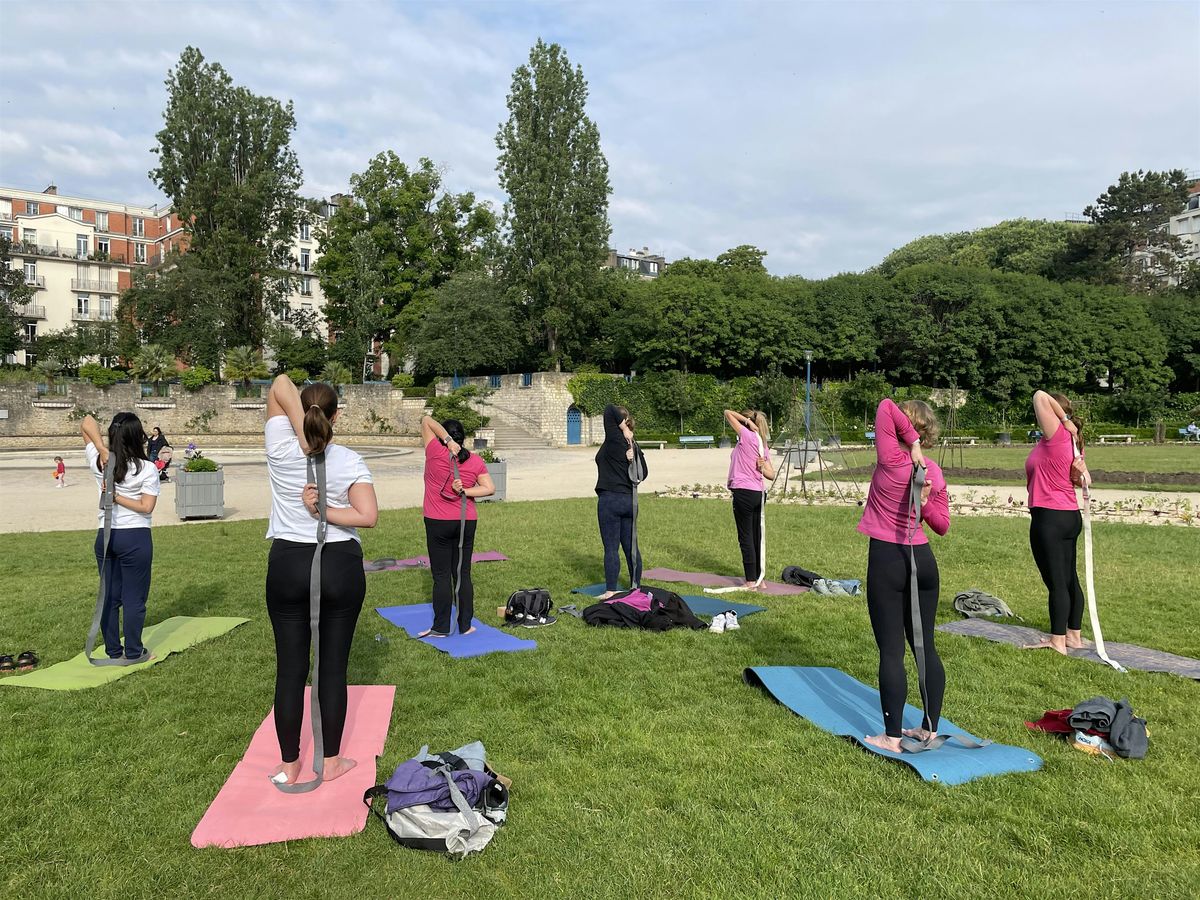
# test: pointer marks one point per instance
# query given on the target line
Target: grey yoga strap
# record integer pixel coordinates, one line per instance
(462, 531)
(637, 474)
(912, 745)
(107, 502)
(316, 475)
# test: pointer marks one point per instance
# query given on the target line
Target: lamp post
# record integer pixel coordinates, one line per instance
(808, 355)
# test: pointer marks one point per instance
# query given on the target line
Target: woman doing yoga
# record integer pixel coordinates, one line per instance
(887, 520)
(749, 464)
(300, 425)
(445, 529)
(1051, 472)
(614, 497)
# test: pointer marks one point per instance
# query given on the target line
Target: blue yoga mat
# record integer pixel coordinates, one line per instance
(592, 590)
(710, 606)
(486, 639)
(839, 704)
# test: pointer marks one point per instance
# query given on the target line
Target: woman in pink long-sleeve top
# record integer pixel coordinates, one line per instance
(899, 433)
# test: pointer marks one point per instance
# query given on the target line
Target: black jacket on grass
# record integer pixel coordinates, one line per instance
(667, 611)
(612, 468)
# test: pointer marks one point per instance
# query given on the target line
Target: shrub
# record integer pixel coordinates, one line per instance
(402, 380)
(98, 375)
(298, 376)
(456, 405)
(200, 464)
(197, 377)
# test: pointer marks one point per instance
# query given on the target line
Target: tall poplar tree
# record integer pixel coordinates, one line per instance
(226, 163)
(556, 178)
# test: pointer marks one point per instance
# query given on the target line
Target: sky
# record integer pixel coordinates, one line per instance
(827, 134)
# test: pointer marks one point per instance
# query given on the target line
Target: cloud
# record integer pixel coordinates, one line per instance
(827, 134)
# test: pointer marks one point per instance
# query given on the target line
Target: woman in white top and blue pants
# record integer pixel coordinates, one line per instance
(300, 425)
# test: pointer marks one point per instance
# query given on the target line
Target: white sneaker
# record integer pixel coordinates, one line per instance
(718, 623)
(731, 622)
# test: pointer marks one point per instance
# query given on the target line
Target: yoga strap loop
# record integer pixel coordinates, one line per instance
(637, 474)
(316, 475)
(762, 521)
(1089, 572)
(462, 531)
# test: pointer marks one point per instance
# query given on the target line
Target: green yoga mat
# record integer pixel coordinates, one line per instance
(168, 636)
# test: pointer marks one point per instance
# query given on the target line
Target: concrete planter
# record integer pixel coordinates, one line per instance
(499, 472)
(200, 495)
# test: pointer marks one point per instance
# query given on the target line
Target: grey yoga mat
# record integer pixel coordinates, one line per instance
(1128, 655)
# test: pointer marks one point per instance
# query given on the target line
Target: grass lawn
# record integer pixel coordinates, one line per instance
(642, 766)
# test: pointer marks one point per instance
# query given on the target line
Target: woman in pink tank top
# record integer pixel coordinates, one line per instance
(749, 464)
(1052, 470)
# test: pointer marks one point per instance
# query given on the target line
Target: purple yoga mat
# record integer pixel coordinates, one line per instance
(486, 639)
(422, 562)
(705, 579)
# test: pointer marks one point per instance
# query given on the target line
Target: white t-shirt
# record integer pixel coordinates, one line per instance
(143, 481)
(288, 467)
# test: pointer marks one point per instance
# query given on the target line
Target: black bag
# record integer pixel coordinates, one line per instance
(798, 576)
(529, 607)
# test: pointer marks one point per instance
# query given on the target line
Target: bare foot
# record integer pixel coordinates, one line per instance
(1074, 640)
(337, 766)
(1054, 642)
(430, 633)
(289, 771)
(919, 734)
(751, 586)
(470, 630)
(883, 742)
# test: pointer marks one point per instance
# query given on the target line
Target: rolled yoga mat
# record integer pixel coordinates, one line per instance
(486, 639)
(706, 579)
(1129, 655)
(841, 705)
(169, 636)
(248, 810)
(422, 562)
(700, 606)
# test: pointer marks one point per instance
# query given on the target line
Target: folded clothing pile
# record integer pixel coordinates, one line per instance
(839, 587)
(1099, 725)
(974, 604)
(449, 802)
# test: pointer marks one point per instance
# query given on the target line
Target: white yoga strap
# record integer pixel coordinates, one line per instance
(1089, 569)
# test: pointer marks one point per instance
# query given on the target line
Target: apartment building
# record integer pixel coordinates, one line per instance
(78, 254)
(1186, 225)
(642, 262)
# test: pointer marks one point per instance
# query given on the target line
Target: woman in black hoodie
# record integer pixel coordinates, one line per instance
(614, 490)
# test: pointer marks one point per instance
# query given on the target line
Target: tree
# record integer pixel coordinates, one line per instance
(1177, 315)
(154, 364)
(14, 294)
(336, 374)
(244, 364)
(470, 326)
(1027, 246)
(226, 164)
(746, 257)
(556, 178)
(864, 393)
(296, 343)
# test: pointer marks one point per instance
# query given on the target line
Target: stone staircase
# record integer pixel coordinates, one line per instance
(513, 437)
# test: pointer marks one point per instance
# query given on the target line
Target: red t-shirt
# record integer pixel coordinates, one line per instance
(440, 499)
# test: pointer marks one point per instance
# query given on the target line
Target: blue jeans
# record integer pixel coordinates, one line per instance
(130, 552)
(614, 510)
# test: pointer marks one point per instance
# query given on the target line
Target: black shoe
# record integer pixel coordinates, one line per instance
(531, 622)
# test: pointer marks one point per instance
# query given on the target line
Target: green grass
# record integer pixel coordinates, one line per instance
(642, 766)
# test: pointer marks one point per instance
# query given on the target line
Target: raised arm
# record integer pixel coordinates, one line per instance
(614, 424)
(432, 430)
(284, 400)
(1049, 415)
(91, 435)
(895, 437)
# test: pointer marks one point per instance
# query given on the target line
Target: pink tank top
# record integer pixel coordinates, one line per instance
(1048, 473)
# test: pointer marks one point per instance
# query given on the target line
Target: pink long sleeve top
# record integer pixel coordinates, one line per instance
(886, 515)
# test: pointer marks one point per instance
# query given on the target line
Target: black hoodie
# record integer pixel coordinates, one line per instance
(612, 468)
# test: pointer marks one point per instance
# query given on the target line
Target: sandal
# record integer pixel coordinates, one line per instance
(6, 663)
(27, 660)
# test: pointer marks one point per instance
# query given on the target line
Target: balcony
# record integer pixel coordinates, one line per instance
(93, 315)
(30, 311)
(94, 286)
(52, 250)
(37, 282)
(6, 217)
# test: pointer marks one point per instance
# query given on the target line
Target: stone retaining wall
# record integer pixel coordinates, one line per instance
(539, 406)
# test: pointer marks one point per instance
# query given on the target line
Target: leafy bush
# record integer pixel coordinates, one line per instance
(298, 376)
(199, 464)
(487, 455)
(456, 405)
(336, 374)
(98, 375)
(419, 393)
(197, 377)
(402, 380)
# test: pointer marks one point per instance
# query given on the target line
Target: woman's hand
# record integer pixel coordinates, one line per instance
(918, 457)
(453, 446)
(1070, 426)
(629, 454)
(311, 497)
(926, 490)
(457, 486)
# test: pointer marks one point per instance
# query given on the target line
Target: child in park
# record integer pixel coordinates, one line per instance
(60, 472)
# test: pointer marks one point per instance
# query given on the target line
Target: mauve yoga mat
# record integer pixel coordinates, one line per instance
(1129, 655)
(422, 562)
(841, 705)
(248, 810)
(485, 639)
(705, 579)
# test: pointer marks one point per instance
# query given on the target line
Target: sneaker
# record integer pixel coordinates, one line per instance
(539, 621)
(731, 622)
(718, 624)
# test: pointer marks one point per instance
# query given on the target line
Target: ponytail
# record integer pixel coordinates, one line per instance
(458, 434)
(320, 403)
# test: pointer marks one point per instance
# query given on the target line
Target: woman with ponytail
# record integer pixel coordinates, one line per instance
(1052, 470)
(449, 537)
(749, 464)
(130, 549)
(300, 425)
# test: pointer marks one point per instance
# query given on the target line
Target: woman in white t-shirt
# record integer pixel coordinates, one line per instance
(300, 425)
(130, 549)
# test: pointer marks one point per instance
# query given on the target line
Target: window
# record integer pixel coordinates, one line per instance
(304, 260)
(31, 208)
(307, 307)
(653, 268)
(306, 286)
(31, 331)
(304, 232)
(101, 221)
(29, 236)
(494, 381)
(6, 232)
(30, 271)
(81, 305)
(102, 246)
(139, 253)
(75, 213)
(527, 379)
(105, 308)
(139, 229)
(81, 246)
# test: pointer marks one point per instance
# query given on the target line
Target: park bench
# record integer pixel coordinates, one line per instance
(870, 436)
(1035, 435)
(968, 439)
(1189, 435)
(696, 440)
(662, 445)
(1126, 438)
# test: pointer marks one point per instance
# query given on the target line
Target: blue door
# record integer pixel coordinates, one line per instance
(574, 426)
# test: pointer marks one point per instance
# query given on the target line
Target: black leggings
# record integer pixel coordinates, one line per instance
(1053, 535)
(747, 515)
(441, 540)
(888, 602)
(614, 513)
(343, 586)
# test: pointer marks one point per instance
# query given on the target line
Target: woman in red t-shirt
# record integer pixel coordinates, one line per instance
(444, 524)
(1051, 472)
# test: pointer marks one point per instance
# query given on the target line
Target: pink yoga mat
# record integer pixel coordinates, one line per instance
(422, 562)
(248, 810)
(705, 579)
